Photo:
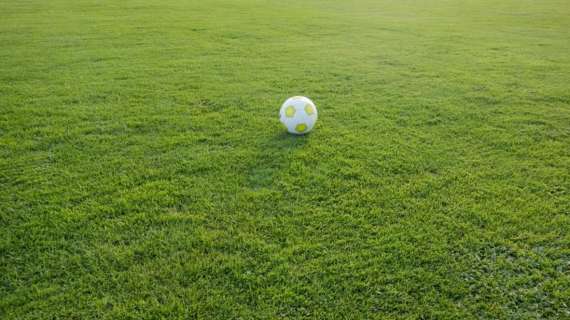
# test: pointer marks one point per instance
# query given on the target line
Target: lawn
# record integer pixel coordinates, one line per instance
(144, 172)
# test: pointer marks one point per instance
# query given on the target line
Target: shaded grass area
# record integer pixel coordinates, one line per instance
(144, 172)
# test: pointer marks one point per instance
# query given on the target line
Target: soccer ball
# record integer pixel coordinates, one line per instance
(298, 114)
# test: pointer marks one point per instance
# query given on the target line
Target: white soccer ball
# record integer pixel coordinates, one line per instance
(298, 114)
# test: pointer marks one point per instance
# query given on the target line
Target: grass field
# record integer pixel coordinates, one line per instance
(144, 173)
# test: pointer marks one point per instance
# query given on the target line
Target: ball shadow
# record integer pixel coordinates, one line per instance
(273, 157)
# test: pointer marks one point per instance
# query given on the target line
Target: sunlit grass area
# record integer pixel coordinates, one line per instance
(144, 172)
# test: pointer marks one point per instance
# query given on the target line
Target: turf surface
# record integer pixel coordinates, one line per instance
(144, 172)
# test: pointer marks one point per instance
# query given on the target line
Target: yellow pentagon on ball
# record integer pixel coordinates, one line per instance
(309, 109)
(301, 127)
(289, 111)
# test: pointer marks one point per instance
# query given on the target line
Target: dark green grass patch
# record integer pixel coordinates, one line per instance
(144, 173)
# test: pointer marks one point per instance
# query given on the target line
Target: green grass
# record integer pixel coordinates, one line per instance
(144, 173)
